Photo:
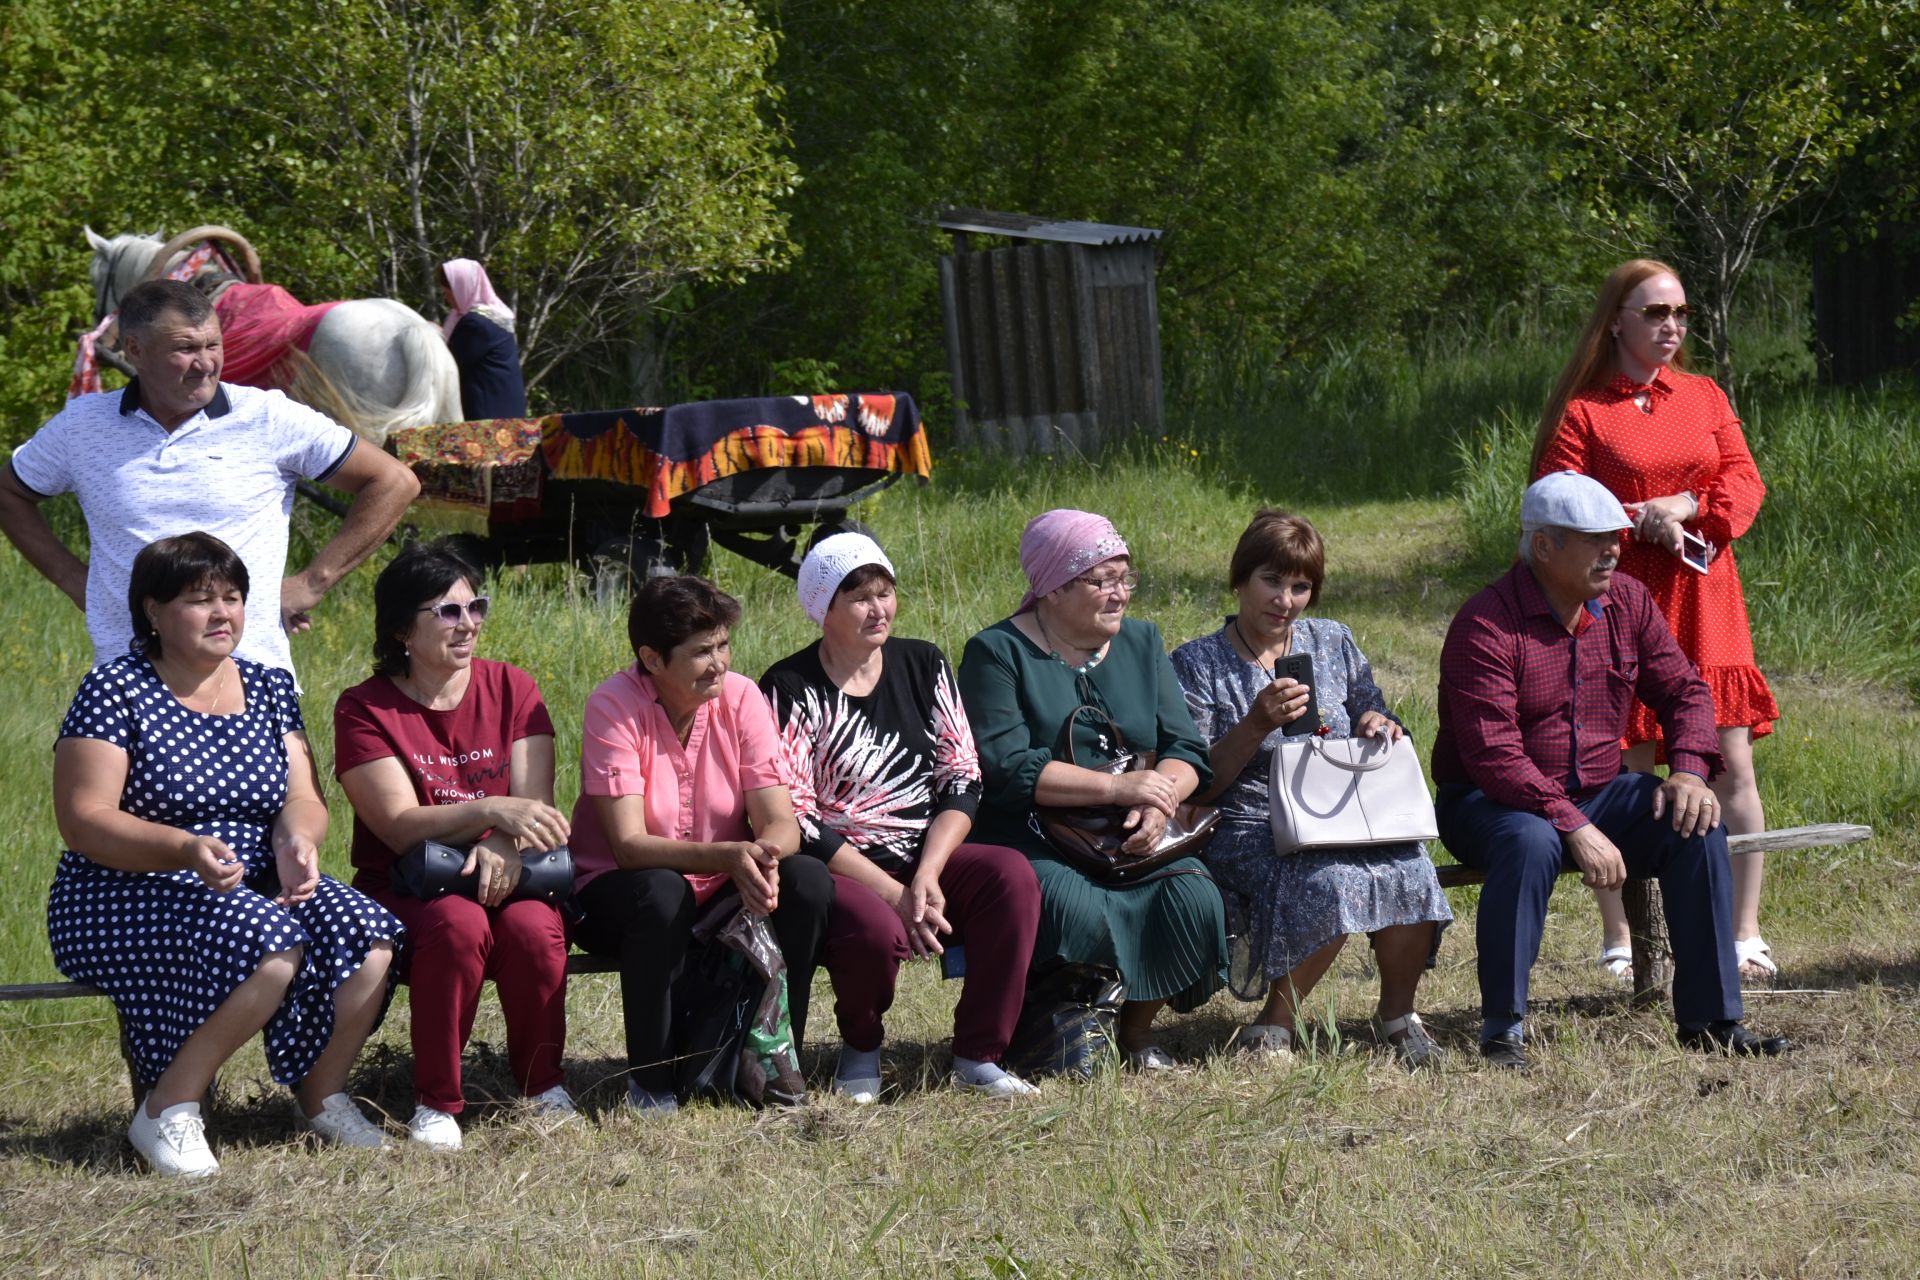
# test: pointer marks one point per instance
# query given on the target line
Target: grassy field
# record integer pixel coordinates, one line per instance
(1619, 1156)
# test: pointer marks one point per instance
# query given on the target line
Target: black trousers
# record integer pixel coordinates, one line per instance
(644, 919)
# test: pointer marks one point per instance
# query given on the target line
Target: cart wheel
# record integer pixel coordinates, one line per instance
(838, 524)
(618, 565)
(688, 539)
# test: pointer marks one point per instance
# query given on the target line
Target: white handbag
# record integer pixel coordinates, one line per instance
(1325, 792)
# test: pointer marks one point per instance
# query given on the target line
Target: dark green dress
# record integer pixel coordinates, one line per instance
(1167, 936)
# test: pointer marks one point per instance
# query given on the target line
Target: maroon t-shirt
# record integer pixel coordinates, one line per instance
(452, 756)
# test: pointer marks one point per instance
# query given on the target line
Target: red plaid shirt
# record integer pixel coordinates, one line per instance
(1532, 715)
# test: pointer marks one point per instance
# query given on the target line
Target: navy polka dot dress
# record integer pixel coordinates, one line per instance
(164, 946)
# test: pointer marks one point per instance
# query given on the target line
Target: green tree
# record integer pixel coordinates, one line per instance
(1731, 114)
(597, 154)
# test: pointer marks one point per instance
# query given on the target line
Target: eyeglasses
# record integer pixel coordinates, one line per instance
(1111, 584)
(451, 611)
(1655, 312)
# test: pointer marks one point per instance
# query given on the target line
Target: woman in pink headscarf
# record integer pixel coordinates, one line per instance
(479, 331)
(1070, 643)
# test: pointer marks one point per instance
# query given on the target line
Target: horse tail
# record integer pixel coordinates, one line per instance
(432, 379)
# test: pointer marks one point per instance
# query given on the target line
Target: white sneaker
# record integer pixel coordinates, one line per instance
(554, 1104)
(435, 1130)
(173, 1143)
(340, 1121)
(1003, 1085)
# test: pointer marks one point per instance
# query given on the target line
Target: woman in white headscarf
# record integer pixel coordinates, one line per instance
(885, 783)
(479, 332)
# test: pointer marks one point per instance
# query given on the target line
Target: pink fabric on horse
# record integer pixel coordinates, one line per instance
(259, 324)
(471, 288)
(1058, 546)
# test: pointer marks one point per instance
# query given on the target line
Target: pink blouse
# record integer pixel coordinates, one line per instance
(697, 791)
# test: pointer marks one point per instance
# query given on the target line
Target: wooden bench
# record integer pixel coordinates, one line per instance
(1652, 957)
(1652, 953)
(577, 962)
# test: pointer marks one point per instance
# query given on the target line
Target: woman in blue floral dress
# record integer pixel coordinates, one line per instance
(1295, 912)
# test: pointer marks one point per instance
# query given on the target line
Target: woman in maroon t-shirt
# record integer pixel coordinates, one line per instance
(442, 745)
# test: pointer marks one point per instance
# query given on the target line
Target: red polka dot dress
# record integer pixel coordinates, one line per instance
(1686, 440)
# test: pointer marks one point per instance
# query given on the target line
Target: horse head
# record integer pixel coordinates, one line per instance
(118, 264)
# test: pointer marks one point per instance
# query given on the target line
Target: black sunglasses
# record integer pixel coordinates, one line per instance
(451, 611)
(1655, 312)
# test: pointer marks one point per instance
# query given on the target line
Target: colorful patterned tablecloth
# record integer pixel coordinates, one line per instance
(673, 451)
(499, 465)
(493, 464)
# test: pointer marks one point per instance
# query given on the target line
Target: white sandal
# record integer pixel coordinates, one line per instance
(1617, 961)
(1755, 951)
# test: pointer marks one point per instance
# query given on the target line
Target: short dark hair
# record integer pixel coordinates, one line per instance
(860, 578)
(169, 566)
(146, 303)
(665, 611)
(420, 572)
(1283, 542)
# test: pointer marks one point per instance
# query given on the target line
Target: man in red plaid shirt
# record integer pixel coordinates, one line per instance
(1537, 676)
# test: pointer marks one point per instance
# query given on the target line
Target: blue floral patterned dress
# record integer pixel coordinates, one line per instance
(1283, 909)
(164, 946)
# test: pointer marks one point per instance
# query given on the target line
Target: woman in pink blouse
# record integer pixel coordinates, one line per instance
(682, 797)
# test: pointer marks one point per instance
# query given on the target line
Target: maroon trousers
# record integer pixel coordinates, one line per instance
(453, 946)
(993, 904)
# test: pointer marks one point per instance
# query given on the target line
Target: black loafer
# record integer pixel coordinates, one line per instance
(1733, 1037)
(1506, 1052)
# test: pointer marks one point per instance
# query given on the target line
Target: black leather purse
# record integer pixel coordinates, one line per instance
(1088, 838)
(432, 870)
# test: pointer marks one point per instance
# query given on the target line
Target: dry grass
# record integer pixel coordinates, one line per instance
(1619, 1156)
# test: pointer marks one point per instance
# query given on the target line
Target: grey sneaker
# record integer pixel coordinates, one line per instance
(173, 1143)
(340, 1121)
(554, 1104)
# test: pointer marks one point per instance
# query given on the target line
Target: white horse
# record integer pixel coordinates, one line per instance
(374, 364)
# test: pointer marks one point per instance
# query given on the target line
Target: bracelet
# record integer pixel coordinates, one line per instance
(1695, 513)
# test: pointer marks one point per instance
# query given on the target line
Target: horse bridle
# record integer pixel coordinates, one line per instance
(106, 290)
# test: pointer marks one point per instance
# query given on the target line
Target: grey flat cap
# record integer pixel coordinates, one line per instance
(1569, 500)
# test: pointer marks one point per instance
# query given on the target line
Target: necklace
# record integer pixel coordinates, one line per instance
(1253, 654)
(1053, 650)
(219, 690)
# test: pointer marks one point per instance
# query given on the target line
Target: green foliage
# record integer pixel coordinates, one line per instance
(1728, 113)
(1322, 178)
(595, 156)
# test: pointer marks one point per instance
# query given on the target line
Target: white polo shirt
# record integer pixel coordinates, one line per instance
(229, 470)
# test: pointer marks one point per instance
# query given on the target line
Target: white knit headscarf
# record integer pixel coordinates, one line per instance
(828, 565)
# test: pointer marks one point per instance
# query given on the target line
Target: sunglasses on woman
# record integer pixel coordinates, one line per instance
(1655, 312)
(451, 611)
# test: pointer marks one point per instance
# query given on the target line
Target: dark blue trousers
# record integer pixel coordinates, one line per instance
(1523, 857)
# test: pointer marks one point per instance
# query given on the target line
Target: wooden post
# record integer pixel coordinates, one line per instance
(1652, 951)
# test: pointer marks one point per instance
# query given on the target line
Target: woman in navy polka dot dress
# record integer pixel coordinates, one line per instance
(190, 890)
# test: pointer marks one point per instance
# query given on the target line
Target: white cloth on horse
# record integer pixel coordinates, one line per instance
(229, 470)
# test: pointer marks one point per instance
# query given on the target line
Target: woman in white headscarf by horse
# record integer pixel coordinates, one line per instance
(479, 330)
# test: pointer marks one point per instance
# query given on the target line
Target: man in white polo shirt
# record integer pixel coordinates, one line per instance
(177, 451)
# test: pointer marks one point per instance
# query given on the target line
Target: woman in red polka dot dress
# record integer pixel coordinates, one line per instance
(1667, 444)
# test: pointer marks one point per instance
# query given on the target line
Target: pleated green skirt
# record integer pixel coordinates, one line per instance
(1167, 937)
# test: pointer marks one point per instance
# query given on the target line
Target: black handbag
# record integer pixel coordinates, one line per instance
(431, 870)
(732, 1036)
(1066, 1025)
(1088, 838)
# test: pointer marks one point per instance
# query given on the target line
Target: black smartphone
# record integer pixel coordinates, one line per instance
(1299, 666)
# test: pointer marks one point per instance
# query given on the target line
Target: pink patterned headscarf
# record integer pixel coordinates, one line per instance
(1059, 546)
(471, 288)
